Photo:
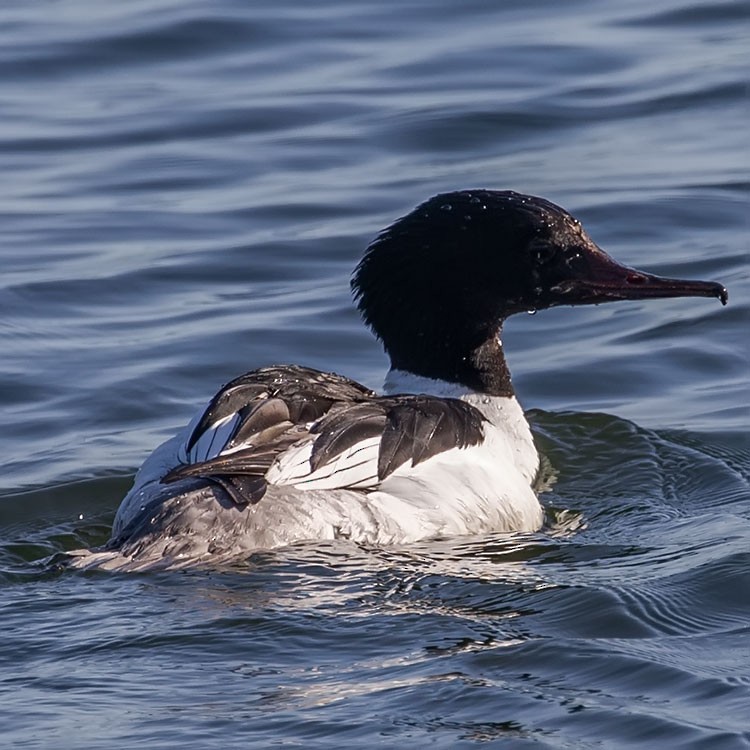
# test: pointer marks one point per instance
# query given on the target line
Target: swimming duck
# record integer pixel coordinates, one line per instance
(288, 453)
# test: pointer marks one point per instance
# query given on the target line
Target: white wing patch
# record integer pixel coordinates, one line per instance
(355, 467)
(211, 442)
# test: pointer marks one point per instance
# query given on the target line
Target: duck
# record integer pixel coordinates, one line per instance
(286, 453)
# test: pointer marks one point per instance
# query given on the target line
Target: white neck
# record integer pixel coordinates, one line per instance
(400, 381)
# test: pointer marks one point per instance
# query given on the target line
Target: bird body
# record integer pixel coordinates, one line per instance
(478, 478)
(287, 453)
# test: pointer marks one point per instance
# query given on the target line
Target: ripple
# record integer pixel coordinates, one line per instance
(698, 15)
(186, 189)
(669, 604)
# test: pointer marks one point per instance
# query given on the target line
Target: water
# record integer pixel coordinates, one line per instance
(186, 188)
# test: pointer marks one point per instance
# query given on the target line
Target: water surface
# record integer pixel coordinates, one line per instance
(186, 188)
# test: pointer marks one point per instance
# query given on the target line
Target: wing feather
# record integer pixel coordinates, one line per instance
(297, 426)
(424, 426)
(343, 429)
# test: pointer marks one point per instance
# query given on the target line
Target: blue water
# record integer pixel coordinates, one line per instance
(185, 189)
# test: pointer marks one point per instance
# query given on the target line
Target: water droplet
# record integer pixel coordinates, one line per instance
(531, 312)
(80, 516)
(446, 207)
(474, 199)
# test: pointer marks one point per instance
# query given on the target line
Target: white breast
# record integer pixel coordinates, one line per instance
(487, 487)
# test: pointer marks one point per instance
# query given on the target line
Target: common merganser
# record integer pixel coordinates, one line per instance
(288, 453)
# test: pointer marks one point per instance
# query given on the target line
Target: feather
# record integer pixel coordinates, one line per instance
(343, 429)
(297, 426)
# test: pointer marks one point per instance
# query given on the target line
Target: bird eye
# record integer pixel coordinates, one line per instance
(544, 252)
(573, 258)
